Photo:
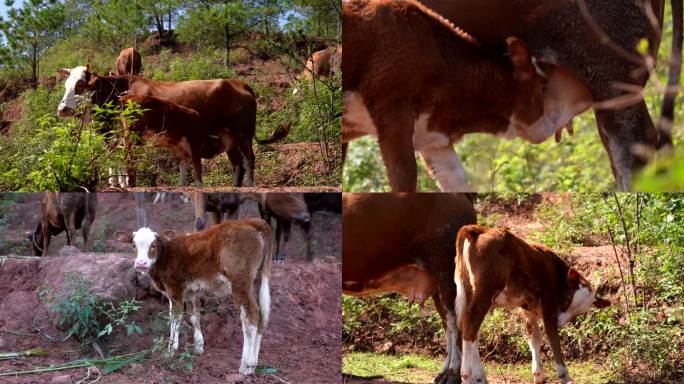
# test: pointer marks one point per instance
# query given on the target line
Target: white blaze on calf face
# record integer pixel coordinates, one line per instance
(581, 302)
(145, 243)
(74, 86)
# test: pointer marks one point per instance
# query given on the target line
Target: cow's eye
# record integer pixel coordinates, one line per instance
(79, 87)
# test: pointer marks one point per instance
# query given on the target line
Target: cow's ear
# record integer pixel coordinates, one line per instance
(523, 69)
(573, 275)
(63, 74)
(168, 234)
(601, 303)
(123, 237)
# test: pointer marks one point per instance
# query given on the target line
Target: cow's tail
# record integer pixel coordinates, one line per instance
(465, 247)
(280, 133)
(264, 274)
(667, 112)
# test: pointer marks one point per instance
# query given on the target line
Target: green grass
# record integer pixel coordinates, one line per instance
(420, 369)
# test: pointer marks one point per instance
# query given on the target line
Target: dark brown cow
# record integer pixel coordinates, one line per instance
(221, 206)
(559, 32)
(419, 83)
(129, 62)
(226, 108)
(60, 212)
(495, 268)
(286, 208)
(232, 257)
(405, 243)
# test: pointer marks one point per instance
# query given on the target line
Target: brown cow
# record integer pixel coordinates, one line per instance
(405, 243)
(226, 109)
(232, 257)
(562, 33)
(129, 62)
(321, 65)
(419, 83)
(495, 268)
(286, 208)
(62, 211)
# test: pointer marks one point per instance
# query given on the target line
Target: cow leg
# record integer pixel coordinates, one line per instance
(534, 340)
(450, 373)
(470, 320)
(399, 158)
(306, 233)
(249, 314)
(183, 168)
(235, 158)
(70, 222)
(286, 226)
(215, 217)
(46, 235)
(87, 222)
(112, 178)
(445, 166)
(175, 318)
(197, 170)
(200, 212)
(248, 160)
(551, 328)
(622, 131)
(198, 339)
(233, 213)
(122, 177)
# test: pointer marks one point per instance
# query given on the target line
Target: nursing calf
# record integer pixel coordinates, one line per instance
(232, 257)
(419, 83)
(495, 268)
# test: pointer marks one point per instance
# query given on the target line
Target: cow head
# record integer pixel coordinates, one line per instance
(77, 82)
(547, 97)
(147, 243)
(579, 297)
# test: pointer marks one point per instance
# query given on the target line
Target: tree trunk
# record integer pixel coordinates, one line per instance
(34, 64)
(226, 41)
(159, 21)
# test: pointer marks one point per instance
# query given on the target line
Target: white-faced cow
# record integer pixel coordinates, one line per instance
(129, 62)
(495, 268)
(230, 258)
(225, 108)
(404, 243)
(61, 211)
(419, 83)
(599, 42)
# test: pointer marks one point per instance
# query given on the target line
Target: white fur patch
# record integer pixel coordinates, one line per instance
(454, 354)
(581, 303)
(249, 347)
(265, 299)
(71, 99)
(472, 371)
(198, 338)
(143, 239)
(356, 115)
(446, 167)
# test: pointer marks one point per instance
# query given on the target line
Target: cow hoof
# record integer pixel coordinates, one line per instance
(448, 377)
(198, 350)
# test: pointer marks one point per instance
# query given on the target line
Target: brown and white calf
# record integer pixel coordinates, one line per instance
(404, 243)
(62, 211)
(230, 258)
(129, 62)
(419, 84)
(495, 268)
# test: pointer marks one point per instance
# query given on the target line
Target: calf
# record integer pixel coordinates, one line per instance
(62, 211)
(405, 243)
(419, 83)
(321, 65)
(175, 127)
(129, 62)
(495, 268)
(221, 206)
(286, 208)
(232, 257)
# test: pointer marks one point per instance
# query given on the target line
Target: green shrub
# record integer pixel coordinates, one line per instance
(90, 318)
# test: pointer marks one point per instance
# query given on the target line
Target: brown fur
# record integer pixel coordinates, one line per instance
(404, 60)
(559, 31)
(407, 236)
(62, 211)
(532, 276)
(221, 206)
(226, 109)
(129, 62)
(322, 64)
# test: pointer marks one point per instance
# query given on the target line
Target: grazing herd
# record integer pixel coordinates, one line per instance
(422, 244)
